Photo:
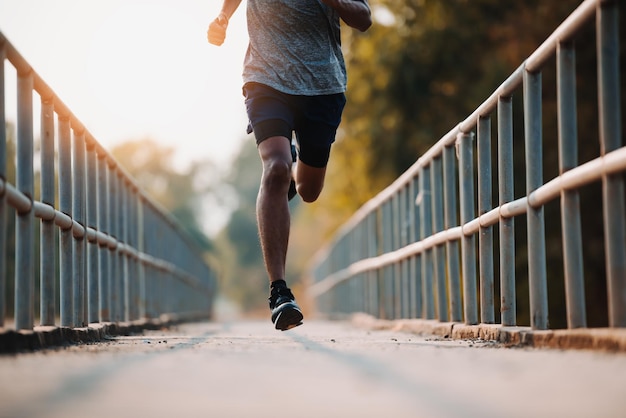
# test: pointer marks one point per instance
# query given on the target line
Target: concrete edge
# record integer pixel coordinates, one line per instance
(43, 337)
(604, 339)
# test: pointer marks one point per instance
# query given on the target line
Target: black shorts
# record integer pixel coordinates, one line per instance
(314, 119)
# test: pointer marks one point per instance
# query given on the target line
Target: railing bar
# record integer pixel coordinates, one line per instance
(468, 247)
(24, 225)
(16, 199)
(452, 246)
(490, 218)
(566, 30)
(65, 236)
(485, 242)
(507, 207)
(113, 220)
(610, 164)
(119, 256)
(427, 256)
(472, 227)
(93, 267)
(47, 245)
(439, 250)
(104, 307)
(418, 300)
(126, 283)
(583, 174)
(535, 215)
(377, 262)
(3, 199)
(178, 267)
(608, 51)
(578, 18)
(506, 89)
(79, 269)
(570, 201)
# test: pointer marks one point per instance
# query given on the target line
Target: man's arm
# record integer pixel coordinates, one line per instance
(217, 29)
(356, 13)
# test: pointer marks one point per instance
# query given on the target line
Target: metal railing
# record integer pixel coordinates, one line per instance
(398, 256)
(118, 257)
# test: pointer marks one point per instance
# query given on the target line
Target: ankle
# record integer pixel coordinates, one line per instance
(276, 284)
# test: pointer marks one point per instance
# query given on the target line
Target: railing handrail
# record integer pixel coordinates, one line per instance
(47, 94)
(564, 32)
(114, 257)
(410, 249)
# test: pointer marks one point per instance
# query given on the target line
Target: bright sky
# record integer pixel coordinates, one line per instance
(130, 69)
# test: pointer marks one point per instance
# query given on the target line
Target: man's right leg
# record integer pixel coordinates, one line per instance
(273, 217)
(273, 221)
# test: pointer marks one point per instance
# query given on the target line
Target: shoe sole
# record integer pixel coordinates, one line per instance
(289, 317)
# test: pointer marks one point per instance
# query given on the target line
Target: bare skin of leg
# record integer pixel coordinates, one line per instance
(309, 181)
(273, 218)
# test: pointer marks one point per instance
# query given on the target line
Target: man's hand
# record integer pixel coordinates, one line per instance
(217, 30)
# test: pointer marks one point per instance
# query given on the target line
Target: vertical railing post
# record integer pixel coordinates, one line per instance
(133, 266)
(47, 266)
(610, 140)
(413, 236)
(387, 273)
(485, 240)
(124, 228)
(439, 251)
(119, 255)
(468, 244)
(418, 277)
(372, 290)
(534, 180)
(112, 222)
(451, 220)
(65, 235)
(508, 305)
(148, 269)
(426, 223)
(104, 286)
(24, 228)
(3, 199)
(570, 202)
(395, 267)
(141, 246)
(405, 263)
(93, 307)
(78, 211)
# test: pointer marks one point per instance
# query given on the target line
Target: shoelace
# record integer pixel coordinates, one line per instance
(280, 292)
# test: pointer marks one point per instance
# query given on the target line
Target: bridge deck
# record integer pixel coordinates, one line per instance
(246, 369)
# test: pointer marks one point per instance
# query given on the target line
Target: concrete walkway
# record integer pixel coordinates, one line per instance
(322, 369)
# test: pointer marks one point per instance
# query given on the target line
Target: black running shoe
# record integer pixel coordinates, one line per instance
(286, 314)
(292, 185)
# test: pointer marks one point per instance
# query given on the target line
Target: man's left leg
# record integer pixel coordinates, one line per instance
(316, 130)
(309, 181)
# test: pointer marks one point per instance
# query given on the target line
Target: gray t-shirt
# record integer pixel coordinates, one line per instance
(295, 47)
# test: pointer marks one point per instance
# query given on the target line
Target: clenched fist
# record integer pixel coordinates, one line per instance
(217, 30)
